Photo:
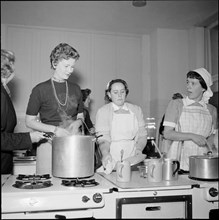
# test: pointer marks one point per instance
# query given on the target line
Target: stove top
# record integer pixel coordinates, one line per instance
(55, 196)
(32, 181)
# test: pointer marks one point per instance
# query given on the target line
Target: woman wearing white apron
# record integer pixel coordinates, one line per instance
(58, 103)
(121, 125)
(191, 122)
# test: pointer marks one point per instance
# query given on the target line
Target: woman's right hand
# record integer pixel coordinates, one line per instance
(199, 140)
(105, 159)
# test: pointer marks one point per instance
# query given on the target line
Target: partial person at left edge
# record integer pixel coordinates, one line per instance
(9, 140)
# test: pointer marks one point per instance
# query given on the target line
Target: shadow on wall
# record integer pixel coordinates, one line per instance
(214, 99)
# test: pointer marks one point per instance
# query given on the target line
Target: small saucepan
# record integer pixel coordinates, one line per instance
(204, 167)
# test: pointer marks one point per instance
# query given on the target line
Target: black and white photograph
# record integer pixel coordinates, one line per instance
(109, 109)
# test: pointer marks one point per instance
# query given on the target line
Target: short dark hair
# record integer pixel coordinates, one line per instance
(109, 87)
(85, 93)
(195, 75)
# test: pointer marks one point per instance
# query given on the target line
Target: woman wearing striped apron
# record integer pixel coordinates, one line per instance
(191, 122)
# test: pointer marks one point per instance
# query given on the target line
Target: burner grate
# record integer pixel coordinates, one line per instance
(80, 183)
(33, 177)
(32, 184)
(32, 181)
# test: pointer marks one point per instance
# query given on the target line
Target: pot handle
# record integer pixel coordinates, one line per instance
(177, 167)
(48, 135)
(96, 138)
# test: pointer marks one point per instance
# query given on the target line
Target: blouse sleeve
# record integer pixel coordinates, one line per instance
(172, 113)
(15, 141)
(11, 141)
(34, 102)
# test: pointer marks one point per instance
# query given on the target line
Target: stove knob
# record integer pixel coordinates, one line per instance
(97, 197)
(213, 192)
(85, 199)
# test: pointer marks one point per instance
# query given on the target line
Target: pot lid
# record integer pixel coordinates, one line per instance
(206, 156)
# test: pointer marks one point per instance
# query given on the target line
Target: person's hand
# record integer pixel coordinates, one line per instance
(7, 79)
(105, 159)
(61, 132)
(36, 136)
(92, 131)
(199, 140)
(74, 127)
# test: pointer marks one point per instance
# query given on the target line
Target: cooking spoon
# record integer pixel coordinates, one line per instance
(153, 142)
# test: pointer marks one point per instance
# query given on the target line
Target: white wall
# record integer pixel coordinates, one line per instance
(103, 57)
(172, 54)
(154, 65)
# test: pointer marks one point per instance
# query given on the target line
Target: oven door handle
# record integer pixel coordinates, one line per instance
(60, 216)
(153, 208)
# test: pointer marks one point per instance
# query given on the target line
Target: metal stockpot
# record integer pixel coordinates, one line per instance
(203, 167)
(73, 156)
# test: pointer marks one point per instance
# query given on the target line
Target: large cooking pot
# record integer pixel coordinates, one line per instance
(204, 167)
(73, 156)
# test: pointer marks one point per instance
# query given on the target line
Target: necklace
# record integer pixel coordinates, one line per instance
(57, 99)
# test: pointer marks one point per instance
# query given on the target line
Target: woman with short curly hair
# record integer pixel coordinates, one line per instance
(58, 103)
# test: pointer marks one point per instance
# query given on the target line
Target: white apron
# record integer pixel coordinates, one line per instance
(44, 158)
(194, 119)
(123, 135)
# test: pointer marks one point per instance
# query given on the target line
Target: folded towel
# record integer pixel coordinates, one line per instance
(110, 167)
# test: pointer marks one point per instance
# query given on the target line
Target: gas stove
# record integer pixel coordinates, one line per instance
(32, 196)
(33, 193)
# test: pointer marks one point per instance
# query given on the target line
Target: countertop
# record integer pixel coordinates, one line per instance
(140, 183)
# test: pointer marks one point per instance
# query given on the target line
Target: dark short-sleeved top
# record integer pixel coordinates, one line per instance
(42, 100)
(9, 140)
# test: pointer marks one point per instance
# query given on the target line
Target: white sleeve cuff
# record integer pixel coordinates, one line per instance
(81, 116)
(170, 124)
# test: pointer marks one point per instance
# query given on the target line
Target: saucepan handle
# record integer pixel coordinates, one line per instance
(177, 166)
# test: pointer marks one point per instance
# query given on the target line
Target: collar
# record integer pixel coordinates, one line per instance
(188, 102)
(116, 107)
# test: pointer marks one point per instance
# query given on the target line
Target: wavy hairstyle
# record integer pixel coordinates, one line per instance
(63, 51)
(7, 63)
